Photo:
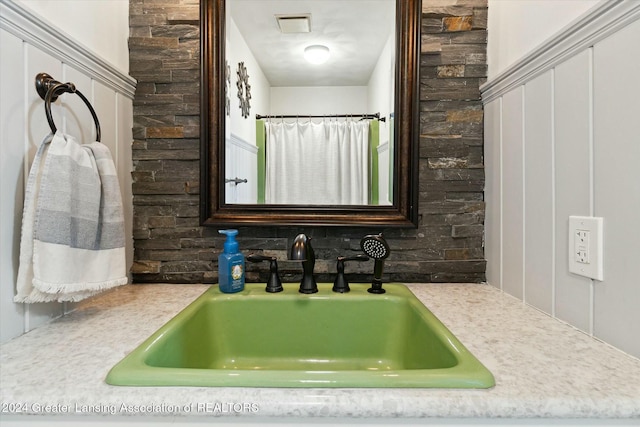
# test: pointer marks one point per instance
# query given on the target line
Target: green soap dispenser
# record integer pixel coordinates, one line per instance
(230, 264)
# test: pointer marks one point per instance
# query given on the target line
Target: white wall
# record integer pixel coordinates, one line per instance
(561, 139)
(29, 45)
(240, 132)
(238, 51)
(318, 100)
(381, 95)
(518, 27)
(380, 90)
(102, 26)
(376, 97)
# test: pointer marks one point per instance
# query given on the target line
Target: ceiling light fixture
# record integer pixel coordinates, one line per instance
(316, 54)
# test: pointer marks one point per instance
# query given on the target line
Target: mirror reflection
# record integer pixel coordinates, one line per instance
(309, 102)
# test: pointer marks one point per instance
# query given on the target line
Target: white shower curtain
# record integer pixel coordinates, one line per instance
(323, 163)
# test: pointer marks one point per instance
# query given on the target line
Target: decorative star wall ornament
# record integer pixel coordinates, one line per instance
(244, 90)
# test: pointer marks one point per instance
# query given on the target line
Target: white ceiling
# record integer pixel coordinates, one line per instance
(354, 30)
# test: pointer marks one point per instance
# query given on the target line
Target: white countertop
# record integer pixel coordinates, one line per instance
(543, 368)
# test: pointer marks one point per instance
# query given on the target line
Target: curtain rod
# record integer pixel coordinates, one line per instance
(325, 116)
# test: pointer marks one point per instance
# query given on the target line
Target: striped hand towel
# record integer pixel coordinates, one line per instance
(73, 242)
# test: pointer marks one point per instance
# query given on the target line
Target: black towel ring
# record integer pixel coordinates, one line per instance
(49, 90)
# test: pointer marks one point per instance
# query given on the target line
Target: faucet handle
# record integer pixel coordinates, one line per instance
(340, 284)
(274, 284)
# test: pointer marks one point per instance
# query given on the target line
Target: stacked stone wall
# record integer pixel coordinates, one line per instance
(171, 246)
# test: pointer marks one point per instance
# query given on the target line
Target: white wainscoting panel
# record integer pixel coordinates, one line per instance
(538, 192)
(123, 158)
(383, 174)
(37, 129)
(12, 116)
(493, 191)
(573, 137)
(513, 192)
(28, 46)
(616, 86)
(241, 161)
(567, 134)
(77, 119)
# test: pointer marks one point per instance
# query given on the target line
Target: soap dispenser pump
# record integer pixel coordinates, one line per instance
(230, 264)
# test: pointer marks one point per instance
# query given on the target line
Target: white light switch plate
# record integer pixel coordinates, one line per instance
(586, 246)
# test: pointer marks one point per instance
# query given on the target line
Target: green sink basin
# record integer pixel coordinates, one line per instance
(256, 339)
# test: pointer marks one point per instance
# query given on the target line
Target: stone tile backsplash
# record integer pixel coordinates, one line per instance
(170, 246)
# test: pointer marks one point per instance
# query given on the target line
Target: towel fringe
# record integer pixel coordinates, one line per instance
(56, 288)
(46, 292)
(39, 297)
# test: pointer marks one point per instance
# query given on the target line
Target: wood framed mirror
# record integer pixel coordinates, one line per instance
(215, 209)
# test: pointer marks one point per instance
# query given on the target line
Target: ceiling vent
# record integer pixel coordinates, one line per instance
(292, 24)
